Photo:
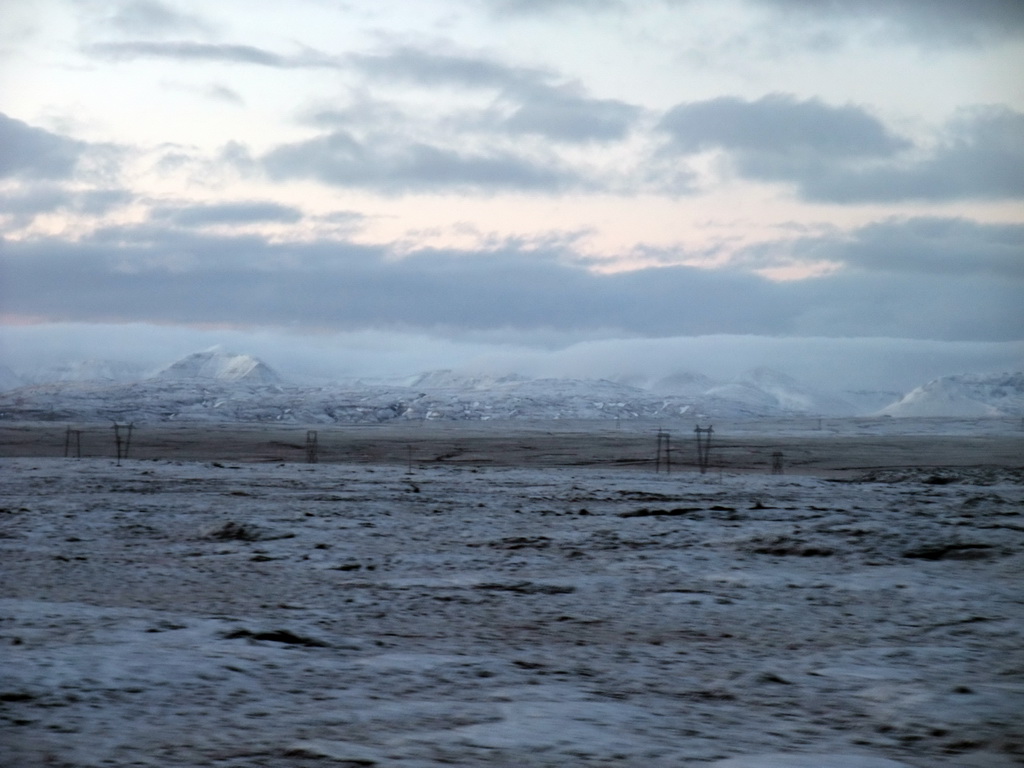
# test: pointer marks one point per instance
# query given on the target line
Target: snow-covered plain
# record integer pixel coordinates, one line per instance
(455, 609)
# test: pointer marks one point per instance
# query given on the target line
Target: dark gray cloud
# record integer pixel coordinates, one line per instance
(931, 21)
(982, 157)
(29, 152)
(151, 275)
(843, 154)
(946, 247)
(226, 213)
(185, 50)
(340, 159)
(780, 126)
(935, 245)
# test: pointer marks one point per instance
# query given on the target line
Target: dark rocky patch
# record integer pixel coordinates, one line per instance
(645, 512)
(955, 551)
(232, 531)
(522, 542)
(276, 636)
(786, 546)
(529, 588)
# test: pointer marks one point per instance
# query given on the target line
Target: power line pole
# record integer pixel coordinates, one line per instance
(75, 434)
(312, 447)
(704, 446)
(663, 456)
(123, 441)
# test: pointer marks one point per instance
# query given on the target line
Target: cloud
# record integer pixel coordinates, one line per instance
(226, 213)
(147, 274)
(22, 205)
(223, 93)
(561, 114)
(837, 364)
(982, 157)
(396, 167)
(150, 17)
(28, 152)
(935, 245)
(193, 51)
(947, 22)
(779, 126)
(532, 100)
(950, 22)
(431, 68)
(925, 245)
(845, 155)
(536, 7)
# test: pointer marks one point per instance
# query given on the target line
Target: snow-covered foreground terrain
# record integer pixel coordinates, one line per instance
(175, 613)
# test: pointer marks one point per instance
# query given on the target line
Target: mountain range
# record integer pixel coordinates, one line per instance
(222, 386)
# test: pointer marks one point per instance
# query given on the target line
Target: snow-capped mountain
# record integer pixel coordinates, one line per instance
(220, 386)
(968, 394)
(217, 364)
(190, 396)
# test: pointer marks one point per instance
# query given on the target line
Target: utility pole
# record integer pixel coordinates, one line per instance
(312, 447)
(704, 446)
(76, 435)
(123, 441)
(663, 456)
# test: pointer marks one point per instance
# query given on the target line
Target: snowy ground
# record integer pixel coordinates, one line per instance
(238, 613)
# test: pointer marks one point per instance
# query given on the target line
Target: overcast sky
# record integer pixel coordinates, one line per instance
(369, 188)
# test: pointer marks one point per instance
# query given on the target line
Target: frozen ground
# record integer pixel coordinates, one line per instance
(239, 613)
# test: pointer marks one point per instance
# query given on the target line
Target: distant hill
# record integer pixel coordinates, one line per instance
(93, 370)
(216, 364)
(9, 379)
(221, 386)
(446, 378)
(683, 383)
(761, 390)
(964, 395)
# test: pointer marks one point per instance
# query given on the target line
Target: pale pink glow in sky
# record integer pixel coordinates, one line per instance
(565, 170)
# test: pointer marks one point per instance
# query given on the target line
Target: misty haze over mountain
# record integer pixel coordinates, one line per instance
(220, 385)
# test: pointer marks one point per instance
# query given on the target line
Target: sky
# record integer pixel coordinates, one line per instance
(558, 187)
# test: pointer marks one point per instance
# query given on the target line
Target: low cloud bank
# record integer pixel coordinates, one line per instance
(830, 363)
